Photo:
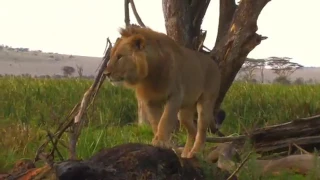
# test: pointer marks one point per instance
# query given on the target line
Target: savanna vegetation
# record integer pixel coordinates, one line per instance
(31, 106)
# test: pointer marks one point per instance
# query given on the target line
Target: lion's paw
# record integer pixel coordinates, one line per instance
(163, 144)
(192, 154)
(185, 152)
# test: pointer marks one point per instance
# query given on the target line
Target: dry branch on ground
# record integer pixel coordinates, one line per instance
(303, 132)
(297, 136)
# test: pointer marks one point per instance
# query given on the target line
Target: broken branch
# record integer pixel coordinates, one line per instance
(240, 166)
(87, 97)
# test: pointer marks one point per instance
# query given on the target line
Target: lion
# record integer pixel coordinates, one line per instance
(173, 82)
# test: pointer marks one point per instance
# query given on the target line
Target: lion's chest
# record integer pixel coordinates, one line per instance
(152, 95)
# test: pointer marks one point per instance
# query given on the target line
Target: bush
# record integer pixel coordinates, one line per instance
(282, 80)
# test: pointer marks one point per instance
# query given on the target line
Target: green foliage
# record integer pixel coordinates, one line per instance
(30, 106)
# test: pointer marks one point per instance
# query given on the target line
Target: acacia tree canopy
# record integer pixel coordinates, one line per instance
(282, 66)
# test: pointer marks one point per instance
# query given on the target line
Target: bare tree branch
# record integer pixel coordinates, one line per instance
(87, 97)
(74, 120)
(134, 10)
(126, 13)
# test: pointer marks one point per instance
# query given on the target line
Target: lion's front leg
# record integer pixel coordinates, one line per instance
(154, 112)
(167, 122)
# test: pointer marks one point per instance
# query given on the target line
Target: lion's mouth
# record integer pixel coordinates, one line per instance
(116, 81)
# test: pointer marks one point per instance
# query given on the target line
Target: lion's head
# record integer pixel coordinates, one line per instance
(128, 63)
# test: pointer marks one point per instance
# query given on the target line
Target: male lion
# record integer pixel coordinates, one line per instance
(171, 80)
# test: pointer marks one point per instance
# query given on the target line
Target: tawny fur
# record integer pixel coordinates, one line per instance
(173, 82)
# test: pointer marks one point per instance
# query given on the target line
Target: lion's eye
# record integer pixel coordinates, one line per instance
(119, 56)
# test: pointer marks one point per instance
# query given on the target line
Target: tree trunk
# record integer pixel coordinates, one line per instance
(236, 38)
(262, 74)
(183, 20)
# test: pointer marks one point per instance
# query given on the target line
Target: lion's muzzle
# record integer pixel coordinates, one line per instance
(108, 74)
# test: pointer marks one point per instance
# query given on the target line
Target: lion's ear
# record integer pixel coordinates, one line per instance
(137, 42)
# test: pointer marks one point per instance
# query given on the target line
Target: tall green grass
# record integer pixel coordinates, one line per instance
(30, 106)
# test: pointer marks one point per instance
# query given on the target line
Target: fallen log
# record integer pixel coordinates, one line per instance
(303, 132)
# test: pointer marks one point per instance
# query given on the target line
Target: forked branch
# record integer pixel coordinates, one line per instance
(135, 12)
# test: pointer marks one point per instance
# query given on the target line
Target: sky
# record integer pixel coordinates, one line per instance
(80, 27)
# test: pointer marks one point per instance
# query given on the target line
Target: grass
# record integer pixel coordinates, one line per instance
(30, 106)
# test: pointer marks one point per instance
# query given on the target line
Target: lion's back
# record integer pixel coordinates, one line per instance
(173, 64)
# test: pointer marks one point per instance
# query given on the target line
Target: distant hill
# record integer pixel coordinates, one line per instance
(18, 61)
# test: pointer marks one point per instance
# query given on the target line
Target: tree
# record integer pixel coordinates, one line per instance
(250, 66)
(68, 70)
(282, 80)
(298, 81)
(282, 66)
(261, 64)
(80, 70)
(235, 39)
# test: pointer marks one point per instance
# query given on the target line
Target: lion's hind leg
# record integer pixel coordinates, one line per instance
(185, 116)
(205, 105)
